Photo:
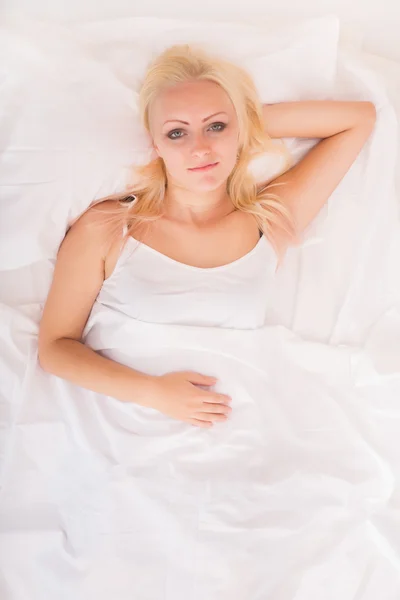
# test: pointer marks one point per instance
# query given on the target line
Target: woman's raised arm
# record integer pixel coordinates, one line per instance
(344, 127)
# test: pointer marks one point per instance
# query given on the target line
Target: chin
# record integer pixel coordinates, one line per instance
(207, 183)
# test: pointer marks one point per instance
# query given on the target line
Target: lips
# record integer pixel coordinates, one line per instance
(207, 167)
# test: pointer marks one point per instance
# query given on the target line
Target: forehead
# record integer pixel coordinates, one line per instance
(191, 102)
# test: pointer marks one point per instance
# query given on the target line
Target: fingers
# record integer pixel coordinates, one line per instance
(215, 413)
(198, 419)
(199, 379)
(208, 407)
(203, 416)
(200, 423)
(212, 397)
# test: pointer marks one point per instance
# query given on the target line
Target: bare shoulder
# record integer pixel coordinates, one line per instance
(248, 230)
(78, 275)
(96, 227)
(245, 226)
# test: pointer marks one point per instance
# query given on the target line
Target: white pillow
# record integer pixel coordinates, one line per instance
(70, 127)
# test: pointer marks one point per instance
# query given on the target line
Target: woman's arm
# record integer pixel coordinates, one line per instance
(344, 127)
(70, 359)
(77, 279)
(314, 118)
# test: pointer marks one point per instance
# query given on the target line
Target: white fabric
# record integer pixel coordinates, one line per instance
(295, 497)
(152, 287)
(372, 24)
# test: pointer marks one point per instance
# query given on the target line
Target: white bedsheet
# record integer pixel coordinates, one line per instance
(297, 495)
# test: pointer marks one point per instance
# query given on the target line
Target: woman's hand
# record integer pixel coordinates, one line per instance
(179, 395)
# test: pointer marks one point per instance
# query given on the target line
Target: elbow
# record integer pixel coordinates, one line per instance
(366, 118)
(370, 113)
(43, 361)
(45, 353)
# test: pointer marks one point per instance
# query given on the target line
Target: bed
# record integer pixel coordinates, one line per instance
(298, 496)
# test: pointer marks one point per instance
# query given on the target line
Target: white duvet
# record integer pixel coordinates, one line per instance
(297, 495)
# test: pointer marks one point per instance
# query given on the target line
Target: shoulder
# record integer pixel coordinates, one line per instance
(100, 226)
(249, 231)
(244, 224)
(97, 213)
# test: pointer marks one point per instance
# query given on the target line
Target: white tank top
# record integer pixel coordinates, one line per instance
(150, 286)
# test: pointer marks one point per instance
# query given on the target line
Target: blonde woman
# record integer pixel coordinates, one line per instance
(195, 241)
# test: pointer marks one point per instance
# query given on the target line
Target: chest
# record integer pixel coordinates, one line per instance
(202, 246)
(154, 288)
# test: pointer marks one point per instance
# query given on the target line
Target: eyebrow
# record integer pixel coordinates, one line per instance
(203, 120)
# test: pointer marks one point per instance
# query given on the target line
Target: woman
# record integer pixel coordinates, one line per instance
(196, 233)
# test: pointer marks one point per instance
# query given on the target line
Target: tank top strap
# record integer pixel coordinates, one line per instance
(125, 249)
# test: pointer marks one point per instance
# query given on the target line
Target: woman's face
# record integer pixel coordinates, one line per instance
(195, 125)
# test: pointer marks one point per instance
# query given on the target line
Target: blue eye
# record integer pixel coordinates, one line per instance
(172, 136)
(221, 126)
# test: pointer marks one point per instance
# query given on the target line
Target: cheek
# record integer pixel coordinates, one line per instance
(229, 143)
(176, 159)
(170, 152)
(227, 150)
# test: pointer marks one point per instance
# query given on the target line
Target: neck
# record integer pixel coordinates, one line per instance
(196, 207)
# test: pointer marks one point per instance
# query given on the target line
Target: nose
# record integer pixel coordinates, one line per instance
(201, 146)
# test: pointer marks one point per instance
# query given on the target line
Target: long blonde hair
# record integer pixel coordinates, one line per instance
(143, 200)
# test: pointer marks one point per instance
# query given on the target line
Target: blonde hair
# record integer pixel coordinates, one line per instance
(143, 200)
